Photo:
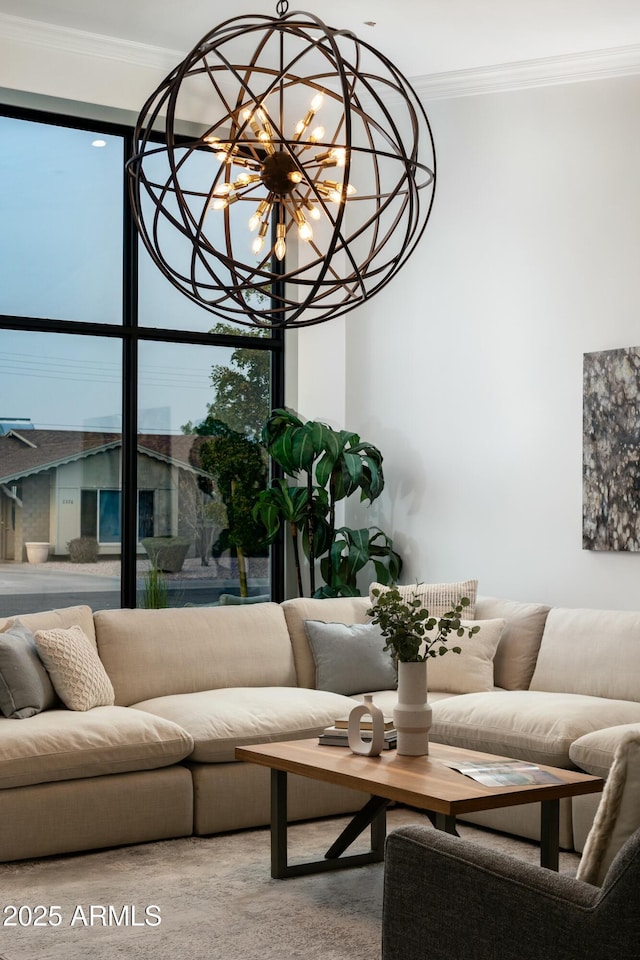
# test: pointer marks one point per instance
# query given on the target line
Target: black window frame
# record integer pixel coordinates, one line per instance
(131, 334)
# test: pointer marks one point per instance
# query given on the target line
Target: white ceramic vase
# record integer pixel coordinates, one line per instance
(412, 713)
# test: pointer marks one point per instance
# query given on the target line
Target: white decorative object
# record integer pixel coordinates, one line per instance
(372, 747)
(412, 713)
(37, 552)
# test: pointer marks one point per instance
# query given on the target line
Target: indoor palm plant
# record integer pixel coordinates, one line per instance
(412, 635)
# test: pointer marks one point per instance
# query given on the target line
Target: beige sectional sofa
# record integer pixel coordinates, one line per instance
(191, 684)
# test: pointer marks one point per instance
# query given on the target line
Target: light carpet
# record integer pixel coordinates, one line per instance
(214, 897)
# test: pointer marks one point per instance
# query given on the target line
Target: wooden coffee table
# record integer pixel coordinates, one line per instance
(422, 782)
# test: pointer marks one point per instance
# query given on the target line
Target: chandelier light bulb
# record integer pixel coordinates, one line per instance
(221, 203)
(317, 102)
(314, 213)
(263, 210)
(258, 242)
(296, 176)
(339, 154)
(304, 230)
(316, 134)
(280, 248)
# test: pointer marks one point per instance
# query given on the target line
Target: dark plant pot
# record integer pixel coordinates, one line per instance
(167, 553)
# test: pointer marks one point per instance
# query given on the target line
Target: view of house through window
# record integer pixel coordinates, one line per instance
(60, 446)
(77, 525)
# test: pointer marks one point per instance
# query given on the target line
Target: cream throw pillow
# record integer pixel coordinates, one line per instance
(76, 671)
(470, 671)
(438, 598)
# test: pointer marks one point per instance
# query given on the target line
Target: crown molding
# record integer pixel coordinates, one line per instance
(546, 71)
(81, 42)
(501, 77)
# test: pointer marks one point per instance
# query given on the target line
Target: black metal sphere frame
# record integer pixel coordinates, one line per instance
(323, 246)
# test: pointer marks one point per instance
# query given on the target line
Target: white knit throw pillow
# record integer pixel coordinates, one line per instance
(76, 671)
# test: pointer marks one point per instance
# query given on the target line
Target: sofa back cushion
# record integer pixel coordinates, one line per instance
(156, 653)
(592, 652)
(80, 616)
(515, 658)
(331, 610)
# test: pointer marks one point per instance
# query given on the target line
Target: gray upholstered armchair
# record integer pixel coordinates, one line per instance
(450, 899)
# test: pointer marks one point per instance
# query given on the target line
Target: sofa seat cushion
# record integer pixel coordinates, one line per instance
(526, 724)
(594, 752)
(221, 720)
(68, 745)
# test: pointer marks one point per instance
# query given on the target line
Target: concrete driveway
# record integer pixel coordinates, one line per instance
(28, 588)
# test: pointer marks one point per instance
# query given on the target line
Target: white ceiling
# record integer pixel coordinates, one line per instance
(421, 37)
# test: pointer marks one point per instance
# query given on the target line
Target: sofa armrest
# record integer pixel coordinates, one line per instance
(447, 898)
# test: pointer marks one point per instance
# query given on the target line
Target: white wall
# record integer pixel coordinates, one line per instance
(44, 70)
(467, 370)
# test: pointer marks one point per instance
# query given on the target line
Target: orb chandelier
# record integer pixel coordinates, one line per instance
(307, 185)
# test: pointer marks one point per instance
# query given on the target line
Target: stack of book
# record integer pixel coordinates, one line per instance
(337, 735)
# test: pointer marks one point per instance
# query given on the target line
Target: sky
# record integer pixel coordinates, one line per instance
(69, 246)
(67, 382)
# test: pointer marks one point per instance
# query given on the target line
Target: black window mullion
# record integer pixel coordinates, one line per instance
(129, 539)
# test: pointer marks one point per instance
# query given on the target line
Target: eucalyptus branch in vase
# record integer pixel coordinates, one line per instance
(411, 633)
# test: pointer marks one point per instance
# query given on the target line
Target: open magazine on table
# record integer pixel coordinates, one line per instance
(503, 773)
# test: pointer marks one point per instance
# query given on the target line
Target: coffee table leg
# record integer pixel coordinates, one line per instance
(278, 824)
(280, 868)
(444, 822)
(374, 813)
(550, 834)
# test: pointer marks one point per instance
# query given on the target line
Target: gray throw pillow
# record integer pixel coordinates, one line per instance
(25, 686)
(350, 657)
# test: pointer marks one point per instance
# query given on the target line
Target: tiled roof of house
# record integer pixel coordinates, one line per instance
(38, 450)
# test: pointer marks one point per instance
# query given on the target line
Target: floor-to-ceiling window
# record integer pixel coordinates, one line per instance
(116, 393)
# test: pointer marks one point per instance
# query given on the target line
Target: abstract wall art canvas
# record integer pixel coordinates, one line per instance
(611, 450)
